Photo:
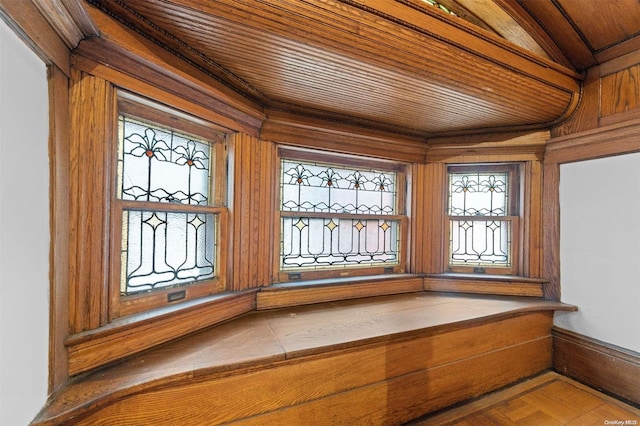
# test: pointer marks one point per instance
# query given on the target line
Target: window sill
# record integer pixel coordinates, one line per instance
(506, 285)
(135, 333)
(334, 289)
(278, 337)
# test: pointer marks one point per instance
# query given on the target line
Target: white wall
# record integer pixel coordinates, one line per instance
(24, 231)
(600, 249)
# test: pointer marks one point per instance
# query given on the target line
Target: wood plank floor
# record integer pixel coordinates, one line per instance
(549, 399)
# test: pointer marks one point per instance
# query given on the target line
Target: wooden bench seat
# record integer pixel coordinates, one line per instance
(377, 360)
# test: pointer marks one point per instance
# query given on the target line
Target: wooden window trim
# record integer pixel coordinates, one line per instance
(130, 105)
(515, 218)
(132, 334)
(402, 176)
(95, 336)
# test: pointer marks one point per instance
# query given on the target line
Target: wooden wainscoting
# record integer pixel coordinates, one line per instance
(378, 360)
(611, 369)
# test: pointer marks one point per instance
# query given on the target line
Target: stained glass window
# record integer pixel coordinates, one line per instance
(482, 216)
(338, 216)
(163, 180)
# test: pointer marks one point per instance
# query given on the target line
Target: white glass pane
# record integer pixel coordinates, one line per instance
(311, 187)
(480, 242)
(332, 242)
(478, 194)
(165, 249)
(162, 166)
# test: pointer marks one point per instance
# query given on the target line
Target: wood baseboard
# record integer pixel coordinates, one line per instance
(606, 367)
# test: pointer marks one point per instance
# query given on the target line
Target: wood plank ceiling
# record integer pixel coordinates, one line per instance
(406, 66)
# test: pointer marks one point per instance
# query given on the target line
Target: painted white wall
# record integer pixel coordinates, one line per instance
(600, 249)
(24, 231)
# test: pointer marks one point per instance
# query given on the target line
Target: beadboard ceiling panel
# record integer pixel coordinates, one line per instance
(396, 65)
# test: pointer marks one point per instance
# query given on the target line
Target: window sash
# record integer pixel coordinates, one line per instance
(485, 243)
(171, 228)
(356, 241)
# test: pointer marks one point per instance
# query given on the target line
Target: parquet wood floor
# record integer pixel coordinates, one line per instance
(546, 400)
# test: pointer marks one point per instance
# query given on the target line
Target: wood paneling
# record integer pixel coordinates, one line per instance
(611, 95)
(27, 21)
(93, 112)
(423, 351)
(309, 132)
(291, 294)
(59, 157)
(136, 57)
(433, 198)
(603, 366)
(512, 286)
(254, 176)
(533, 247)
(377, 64)
(401, 399)
(622, 23)
(134, 334)
(623, 88)
(551, 230)
(605, 141)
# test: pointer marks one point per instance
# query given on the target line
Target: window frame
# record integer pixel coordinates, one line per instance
(515, 217)
(163, 117)
(340, 160)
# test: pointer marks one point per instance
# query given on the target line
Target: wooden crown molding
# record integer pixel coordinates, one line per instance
(615, 139)
(122, 50)
(504, 146)
(293, 129)
(69, 19)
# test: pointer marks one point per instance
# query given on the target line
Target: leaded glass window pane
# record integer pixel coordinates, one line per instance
(480, 242)
(352, 216)
(478, 194)
(308, 187)
(160, 165)
(327, 242)
(165, 249)
(480, 218)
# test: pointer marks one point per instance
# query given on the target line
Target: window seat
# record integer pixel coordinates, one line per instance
(302, 357)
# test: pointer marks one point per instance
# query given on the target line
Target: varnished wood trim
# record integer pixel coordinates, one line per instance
(301, 293)
(532, 194)
(27, 21)
(521, 146)
(620, 118)
(614, 370)
(129, 335)
(620, 63)
(536, 30)
(551, 230)
(616, 139)
(119, 48)
(502, 285)
(435, 231)
(377, 339)
(59, 157)
(69, 19)
(461, 34)
(252, 210)
(93, 111)
(618, 50)
(341, 138)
